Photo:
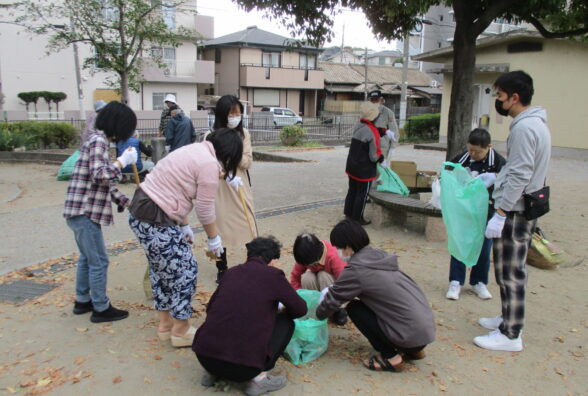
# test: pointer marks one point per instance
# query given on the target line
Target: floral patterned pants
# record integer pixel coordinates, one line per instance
(172, 267)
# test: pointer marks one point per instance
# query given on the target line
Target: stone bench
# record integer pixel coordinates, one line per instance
(408, 212)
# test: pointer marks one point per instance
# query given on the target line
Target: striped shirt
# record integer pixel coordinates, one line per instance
(93, 183)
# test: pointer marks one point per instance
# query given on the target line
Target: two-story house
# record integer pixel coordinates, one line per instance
(265, 69)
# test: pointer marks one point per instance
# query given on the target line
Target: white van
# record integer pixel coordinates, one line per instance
(283, 116)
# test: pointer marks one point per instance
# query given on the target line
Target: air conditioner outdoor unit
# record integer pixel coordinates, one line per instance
(166, 72)
(434, 83)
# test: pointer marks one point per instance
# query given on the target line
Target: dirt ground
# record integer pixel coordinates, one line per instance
(45, 349)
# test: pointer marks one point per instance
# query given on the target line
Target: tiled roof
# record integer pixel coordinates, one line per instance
(354, 74)
(252, 36)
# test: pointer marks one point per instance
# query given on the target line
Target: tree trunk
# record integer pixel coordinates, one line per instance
(462, 99)
(124, 88)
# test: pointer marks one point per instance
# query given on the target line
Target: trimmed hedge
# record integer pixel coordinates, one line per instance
(36, 134)
(292, 135)
(424, 126)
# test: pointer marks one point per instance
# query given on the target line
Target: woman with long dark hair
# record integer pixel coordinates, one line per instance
(186, 178)
(234, 203)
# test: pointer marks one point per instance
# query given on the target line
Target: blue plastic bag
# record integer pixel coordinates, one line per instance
(311, 336)
(464, 205)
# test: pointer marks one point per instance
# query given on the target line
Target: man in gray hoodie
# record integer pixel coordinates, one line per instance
(528, 152)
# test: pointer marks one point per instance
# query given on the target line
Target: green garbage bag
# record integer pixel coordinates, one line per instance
(464, 205)
(66, 169)
(389, 181)
(311, 336)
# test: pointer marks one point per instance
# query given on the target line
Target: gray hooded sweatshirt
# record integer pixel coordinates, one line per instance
(373, 276)
(528, 150)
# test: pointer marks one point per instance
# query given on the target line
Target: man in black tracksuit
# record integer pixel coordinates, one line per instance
(364, 154)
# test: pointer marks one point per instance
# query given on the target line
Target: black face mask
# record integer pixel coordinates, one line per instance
(498, 105)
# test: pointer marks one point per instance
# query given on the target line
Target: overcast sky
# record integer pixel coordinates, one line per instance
(228, 18)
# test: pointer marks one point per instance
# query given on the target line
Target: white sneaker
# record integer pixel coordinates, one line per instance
(453, 292)
(491, 323)
(496, 341)
(482, 291)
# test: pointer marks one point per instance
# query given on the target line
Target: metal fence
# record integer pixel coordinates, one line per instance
(263, 129)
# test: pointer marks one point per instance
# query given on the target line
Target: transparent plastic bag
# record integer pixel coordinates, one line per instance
(66, 169)
(389, 181)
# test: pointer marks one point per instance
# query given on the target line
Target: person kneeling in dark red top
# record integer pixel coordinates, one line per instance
(244, 333)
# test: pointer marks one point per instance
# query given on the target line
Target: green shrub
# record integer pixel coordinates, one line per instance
(424, 127)
(292, 135)
(37, 134)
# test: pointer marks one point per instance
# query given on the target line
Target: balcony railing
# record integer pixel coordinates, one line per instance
(179, 71)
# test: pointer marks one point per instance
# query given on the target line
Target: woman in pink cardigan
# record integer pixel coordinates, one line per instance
(186, 178)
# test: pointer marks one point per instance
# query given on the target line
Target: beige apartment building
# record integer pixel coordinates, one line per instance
(24, 66)
(266, 70)
(558, 69)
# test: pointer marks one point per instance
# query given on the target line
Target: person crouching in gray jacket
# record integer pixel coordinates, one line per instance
(386, 306)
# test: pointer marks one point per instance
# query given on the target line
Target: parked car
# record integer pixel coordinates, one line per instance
(283, 116)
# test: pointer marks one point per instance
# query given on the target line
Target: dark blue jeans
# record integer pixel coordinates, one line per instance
(457, 269)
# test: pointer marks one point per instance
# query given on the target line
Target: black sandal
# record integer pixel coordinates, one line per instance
(384, 364)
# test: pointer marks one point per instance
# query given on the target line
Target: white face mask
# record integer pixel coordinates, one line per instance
(340, 253)
(233, 122)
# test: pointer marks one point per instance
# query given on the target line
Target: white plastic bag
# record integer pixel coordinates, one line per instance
(436, 197)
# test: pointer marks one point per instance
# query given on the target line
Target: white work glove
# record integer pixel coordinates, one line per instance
(384, 164)
(215, 245)
(487, 178)
(235, 182)
(495, 226)
(128, 157)
(188, 233)
(391, 135)
(323, 294)
(281, 307)
(167, 149)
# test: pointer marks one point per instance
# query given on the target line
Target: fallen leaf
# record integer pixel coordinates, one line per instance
(175, 364)
(442, 388)
(147, 380)
(117, 380)
(157, 357)
(81, 329)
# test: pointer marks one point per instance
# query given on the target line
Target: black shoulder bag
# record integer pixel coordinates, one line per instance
(536, 203)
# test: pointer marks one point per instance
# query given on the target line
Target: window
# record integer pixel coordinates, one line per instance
(307, 61)
(289, 113)
(266, 97)
(109, 11)
(158, 98)
(381, 60)
(168, 56)
(168, 12)
(440, 18)
(278, 112)
(217, 55)
(271, 59)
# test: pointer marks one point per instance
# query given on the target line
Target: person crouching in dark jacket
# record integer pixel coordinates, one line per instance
(386, 306)
(244, 333)
(179, 131)
(364, 154)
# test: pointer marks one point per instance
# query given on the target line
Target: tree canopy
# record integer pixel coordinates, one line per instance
(118, 31)
(394, 19)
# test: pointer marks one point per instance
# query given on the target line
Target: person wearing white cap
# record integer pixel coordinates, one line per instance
(169, 101)
(89, 128)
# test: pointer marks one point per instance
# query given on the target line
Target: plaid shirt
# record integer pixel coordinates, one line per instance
(93, 183)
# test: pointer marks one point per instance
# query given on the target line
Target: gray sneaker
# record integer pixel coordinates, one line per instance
(207, 379)
(269, 384)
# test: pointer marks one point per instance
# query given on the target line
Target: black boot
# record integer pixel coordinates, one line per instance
(221, 266)
(339, 317)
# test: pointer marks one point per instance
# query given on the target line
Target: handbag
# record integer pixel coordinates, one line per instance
(544, 254)
(536, 203)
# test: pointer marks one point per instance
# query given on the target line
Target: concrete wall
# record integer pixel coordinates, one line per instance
(559, 75)
(251, 56)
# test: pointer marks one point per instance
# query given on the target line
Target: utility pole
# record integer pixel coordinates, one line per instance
(403, 101)
(365, 84)
(78, 74)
